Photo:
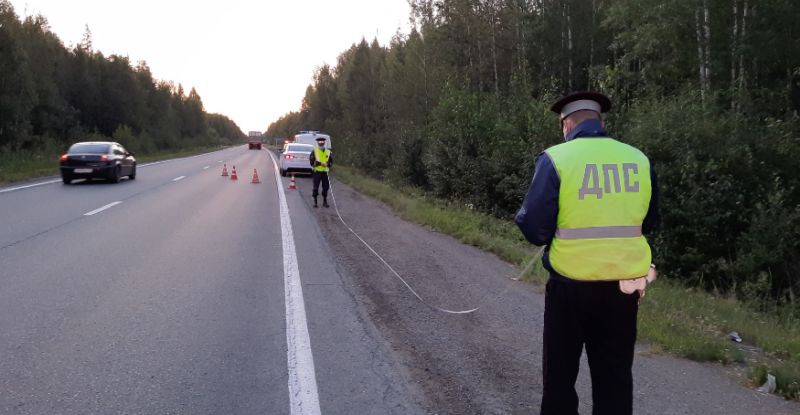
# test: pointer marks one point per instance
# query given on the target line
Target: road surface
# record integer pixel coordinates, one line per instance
(175, 294)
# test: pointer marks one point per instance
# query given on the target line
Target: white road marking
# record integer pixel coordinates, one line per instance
(178, 178)
(303, 394)
(206, 167)
(11, 189)
(181, 158)
(100, 209)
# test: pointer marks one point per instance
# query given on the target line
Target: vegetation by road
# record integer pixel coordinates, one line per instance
(708, 89)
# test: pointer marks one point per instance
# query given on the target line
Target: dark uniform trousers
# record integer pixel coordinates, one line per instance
(321, 176)
(603, 318)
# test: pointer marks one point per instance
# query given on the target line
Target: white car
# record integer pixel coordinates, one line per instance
(295, 158)
(310, 137)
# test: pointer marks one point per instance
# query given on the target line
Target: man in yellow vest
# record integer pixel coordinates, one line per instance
(590, 200)
(321, 161)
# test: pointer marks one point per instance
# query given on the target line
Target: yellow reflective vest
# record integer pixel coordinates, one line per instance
(321, 156)
(603, 199)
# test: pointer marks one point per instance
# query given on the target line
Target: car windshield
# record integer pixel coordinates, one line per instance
(89, 148)
(299, 149)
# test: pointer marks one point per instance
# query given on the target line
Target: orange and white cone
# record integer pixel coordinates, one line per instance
(225, 170)
(292, 184)
(255, 177)
(233, 174)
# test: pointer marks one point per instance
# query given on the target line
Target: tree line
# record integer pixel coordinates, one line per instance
(709, 89)
(52, 95)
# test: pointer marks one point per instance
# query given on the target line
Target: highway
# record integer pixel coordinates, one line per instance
(172, 300)
(184, 292)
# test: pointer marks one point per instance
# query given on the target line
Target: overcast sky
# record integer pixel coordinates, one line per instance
(250, 60)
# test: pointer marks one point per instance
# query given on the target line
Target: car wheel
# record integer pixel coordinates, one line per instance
(116, 176)
(132, 176)
(66, 179)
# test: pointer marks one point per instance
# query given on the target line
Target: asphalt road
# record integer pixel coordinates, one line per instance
(182, 292)
(172, 301)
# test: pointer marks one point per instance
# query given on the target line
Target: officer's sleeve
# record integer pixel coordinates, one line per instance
(330, 159)
(539, 212)
(653, 217)
(312, 159)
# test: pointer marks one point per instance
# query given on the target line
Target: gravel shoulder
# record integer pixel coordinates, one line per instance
(489, 362)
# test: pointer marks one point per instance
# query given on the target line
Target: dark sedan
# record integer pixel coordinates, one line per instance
(103, 160)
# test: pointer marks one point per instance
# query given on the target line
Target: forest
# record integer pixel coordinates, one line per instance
(708, 89)
(52, 95)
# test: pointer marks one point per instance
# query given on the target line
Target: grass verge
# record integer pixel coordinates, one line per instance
(29, 165)
(674, 319)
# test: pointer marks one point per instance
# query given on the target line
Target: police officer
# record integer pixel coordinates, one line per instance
(321, 161)
(590, 200)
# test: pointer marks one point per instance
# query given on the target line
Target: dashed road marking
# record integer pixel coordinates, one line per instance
(100, 209)
(178, 178)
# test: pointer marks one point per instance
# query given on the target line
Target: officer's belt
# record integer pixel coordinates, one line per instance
(599, 232)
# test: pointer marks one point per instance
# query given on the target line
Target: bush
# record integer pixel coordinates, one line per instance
(729, 198)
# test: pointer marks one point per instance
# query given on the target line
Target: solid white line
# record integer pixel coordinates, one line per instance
(178, 178)
(11, 189)
(29, 186)
(181, 158)
(303, 395)
(100, 209)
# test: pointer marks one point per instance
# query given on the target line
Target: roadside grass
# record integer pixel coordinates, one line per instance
(19, 166)
(675, 319)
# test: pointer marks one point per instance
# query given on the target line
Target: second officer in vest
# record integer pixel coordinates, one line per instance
(590, 200)
(321, 161)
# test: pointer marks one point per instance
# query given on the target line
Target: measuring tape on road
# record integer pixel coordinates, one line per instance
(408, 286)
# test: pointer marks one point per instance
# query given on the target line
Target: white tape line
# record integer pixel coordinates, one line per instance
(100, 209)
(303, 395)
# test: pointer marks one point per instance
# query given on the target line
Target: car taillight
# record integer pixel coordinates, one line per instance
(104, 157)
(63, 157)
(288, 157)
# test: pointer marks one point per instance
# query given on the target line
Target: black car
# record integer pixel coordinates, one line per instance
(98, 159)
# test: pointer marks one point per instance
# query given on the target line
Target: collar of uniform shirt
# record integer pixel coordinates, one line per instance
(588, 128)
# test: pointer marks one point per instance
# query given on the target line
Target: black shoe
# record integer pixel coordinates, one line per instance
(315, 202)
(325, 204)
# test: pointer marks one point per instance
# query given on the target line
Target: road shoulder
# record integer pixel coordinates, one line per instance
(490, 361)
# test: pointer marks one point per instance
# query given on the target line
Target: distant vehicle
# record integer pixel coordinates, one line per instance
(310, 137)
(252, 134)
(295, 158)
(254, 144)
(97, 159)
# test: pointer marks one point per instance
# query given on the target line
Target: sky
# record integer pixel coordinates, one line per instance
(249, 60)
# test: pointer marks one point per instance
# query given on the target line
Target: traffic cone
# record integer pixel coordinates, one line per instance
(293, 184)
(225, 170)
(233, 174)
(255, 177)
